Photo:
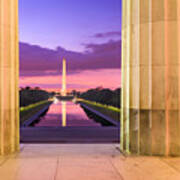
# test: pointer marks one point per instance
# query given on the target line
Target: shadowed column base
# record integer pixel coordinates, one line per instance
(151, 133)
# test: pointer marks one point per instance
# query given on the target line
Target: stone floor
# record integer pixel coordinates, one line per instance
(84, 162)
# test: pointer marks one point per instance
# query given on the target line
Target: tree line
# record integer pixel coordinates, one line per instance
(30, 95)
(103, 96)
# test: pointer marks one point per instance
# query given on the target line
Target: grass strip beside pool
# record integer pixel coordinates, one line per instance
(109, 111)
(29, 111)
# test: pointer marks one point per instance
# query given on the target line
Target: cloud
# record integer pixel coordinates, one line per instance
(37, 61)
(109, 47)
(107, 34)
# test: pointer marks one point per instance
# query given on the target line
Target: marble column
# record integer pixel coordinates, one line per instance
(150, 118)
(9, 68)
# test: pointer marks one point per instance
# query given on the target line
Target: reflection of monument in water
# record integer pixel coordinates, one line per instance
(63, 104)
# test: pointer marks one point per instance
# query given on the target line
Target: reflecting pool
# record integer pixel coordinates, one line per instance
(65, 113)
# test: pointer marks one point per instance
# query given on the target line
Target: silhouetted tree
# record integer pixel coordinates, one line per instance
(27, 88)
(37, 88)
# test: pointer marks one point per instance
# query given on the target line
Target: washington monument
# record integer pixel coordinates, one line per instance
(63, 90)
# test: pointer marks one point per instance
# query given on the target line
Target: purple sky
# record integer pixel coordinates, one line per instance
(86, 32)
(68, 23)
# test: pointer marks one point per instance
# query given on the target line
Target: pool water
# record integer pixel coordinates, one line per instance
(63, 114)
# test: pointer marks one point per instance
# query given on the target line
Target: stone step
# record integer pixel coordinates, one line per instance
(70, 135)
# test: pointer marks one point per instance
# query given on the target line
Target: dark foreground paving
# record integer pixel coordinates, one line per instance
(70, 135)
